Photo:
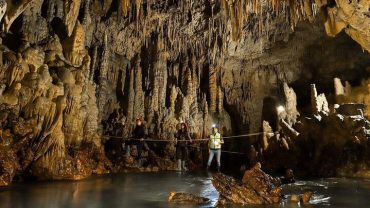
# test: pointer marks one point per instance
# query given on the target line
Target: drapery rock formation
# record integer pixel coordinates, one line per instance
(74, 72)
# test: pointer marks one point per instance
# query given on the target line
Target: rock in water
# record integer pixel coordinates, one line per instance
(256, 187)
(186, 198)
(302, 198)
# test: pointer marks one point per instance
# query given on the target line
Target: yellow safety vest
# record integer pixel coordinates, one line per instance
(215, 141)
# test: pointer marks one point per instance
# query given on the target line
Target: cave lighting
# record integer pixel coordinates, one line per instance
(280, 109)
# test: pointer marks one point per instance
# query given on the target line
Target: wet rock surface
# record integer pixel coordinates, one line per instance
(186, 198)
(256, 187)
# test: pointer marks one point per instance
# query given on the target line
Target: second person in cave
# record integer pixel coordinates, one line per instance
(182, 139)
(138, 134)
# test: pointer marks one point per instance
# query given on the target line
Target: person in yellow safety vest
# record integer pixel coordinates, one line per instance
(214, 147)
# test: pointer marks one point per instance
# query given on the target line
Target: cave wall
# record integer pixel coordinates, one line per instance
(73, 71)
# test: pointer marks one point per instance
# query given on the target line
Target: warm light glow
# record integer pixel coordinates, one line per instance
(213, 125)
(280, 109)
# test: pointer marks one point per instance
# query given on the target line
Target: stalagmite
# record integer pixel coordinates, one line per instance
(131, 103)
(173, 97)
(138, 90)
(339, 88)
(318, 102)
(267, 134)
(290, 104)
(190, 87)
(314, 100)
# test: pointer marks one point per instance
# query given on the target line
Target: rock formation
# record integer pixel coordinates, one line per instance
(75, 74)
(256, 188)
(308, 145)
(186, 198)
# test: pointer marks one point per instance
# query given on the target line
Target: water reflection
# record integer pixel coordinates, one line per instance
(151, 190)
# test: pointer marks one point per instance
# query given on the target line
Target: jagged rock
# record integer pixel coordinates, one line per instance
(256, 188)
(303, 198)
(186, 198)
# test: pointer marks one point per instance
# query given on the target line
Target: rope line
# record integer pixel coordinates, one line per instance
(194, 140)
(231, 152)
(166, 140)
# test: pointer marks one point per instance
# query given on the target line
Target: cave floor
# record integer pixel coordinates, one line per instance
(152, 189)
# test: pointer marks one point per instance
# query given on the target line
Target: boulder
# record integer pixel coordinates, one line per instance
(256, 187)
(186, 198)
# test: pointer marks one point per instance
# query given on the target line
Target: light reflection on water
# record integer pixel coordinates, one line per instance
(152, 189)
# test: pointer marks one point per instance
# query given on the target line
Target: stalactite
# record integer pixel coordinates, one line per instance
(173, 97)
(93, 63)
(155, 92)
(161, 66)
(138, 90)
(131, 102)
(205, 117)
(190, 87)
(87, 23)
(125, 7)
(71, 9)
(213, 89)
(220, 99)
(104, 66)
(162, 81)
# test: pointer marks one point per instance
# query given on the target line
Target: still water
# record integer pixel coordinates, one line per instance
(151, 190)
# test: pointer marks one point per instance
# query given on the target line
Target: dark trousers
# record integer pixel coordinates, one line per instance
(140, 148)
(182, 153)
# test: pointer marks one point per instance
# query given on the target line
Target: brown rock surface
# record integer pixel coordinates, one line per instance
(256, 187)
(186, 198)
(8, 165)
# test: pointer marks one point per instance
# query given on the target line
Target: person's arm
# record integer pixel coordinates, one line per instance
(221, 139)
